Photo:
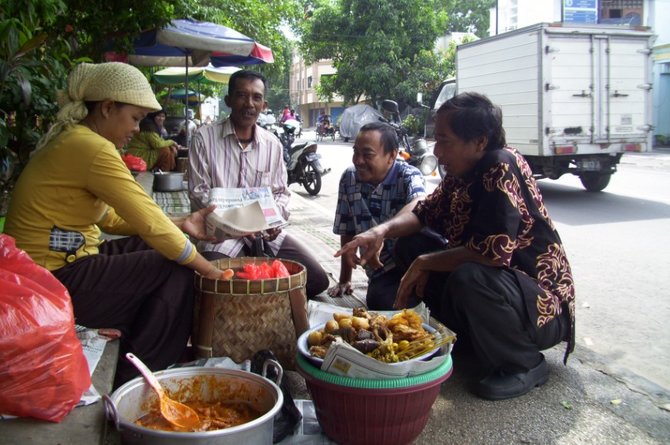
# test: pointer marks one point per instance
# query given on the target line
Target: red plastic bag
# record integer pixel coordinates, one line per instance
(134, 163)
(43, 370)
(263, 271)
(249, 272)
(279, 270)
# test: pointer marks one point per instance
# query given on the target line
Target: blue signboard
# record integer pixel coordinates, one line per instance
(580, 11)
(581, 4)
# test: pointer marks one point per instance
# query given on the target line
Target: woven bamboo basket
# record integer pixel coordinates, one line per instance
(237, 318)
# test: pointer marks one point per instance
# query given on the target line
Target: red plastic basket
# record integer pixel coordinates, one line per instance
(362, 411)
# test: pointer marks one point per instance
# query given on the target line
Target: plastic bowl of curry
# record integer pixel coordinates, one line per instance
(233, 407)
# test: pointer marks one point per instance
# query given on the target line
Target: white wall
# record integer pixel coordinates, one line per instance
(657, 15)
(514, 14)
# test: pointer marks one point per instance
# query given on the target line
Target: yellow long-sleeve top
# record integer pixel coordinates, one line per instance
(73, 188)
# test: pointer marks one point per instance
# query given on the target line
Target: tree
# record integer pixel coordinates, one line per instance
(469, 16)
(40, 40)
(261, 20)
(380, 48)
(93, 32)
(33, 63)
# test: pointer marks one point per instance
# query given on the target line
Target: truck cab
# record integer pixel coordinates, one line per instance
(445, 92)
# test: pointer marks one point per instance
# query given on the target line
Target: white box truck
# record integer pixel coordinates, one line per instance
(574, 99)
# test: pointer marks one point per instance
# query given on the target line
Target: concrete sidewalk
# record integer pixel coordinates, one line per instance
(585, 402)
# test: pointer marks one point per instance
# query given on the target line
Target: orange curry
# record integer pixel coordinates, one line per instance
(213, 416)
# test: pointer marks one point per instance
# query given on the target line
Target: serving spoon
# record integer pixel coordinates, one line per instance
(174, 412)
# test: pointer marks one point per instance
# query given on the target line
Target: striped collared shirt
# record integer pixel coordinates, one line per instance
(216, 159)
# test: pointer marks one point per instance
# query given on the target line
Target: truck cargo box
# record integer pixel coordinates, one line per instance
(574, 99)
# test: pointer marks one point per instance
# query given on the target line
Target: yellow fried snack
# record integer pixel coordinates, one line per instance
(407, 317)
(403, 332)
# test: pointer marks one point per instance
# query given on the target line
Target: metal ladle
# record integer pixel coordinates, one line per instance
(174, 412)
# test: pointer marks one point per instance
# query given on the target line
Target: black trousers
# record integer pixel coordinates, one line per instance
(383, 288)
(131, 287)
(485, 306)
(292, 249)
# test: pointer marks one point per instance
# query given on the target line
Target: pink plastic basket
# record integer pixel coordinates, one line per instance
(367, 411)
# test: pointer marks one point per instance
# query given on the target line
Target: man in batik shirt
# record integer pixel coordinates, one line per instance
(503, 282)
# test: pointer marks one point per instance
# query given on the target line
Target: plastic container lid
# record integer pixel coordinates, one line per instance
(402, 382)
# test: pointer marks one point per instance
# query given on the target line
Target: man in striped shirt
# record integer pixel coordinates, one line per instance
(236, 153)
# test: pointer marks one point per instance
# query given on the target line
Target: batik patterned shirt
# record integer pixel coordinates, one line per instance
(361, 205)
(498, 212)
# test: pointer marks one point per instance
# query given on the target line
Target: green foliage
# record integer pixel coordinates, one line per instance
(33, 64)
(40, 40)
(381, 49)
(102, 25)
(413, 124)
(469, 16)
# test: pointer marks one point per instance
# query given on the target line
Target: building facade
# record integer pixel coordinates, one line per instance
(303, 81)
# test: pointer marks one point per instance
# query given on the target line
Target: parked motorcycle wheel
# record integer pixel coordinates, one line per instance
(312, 180)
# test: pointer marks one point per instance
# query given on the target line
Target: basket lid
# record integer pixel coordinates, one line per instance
(402, 382)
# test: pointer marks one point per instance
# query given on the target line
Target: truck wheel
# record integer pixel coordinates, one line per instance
(594, 181)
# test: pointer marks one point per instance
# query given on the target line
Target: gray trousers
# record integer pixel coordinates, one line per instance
(484, 305)
(131, 287)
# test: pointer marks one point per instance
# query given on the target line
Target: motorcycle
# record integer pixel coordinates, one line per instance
(303, 166)
(290, 130)
(302, 160)
(267, 121)
(415, 152)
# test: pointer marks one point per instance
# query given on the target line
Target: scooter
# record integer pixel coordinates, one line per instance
(415, 152)
(290, 130)
(303, 166)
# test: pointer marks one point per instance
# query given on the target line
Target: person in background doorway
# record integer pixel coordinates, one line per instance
(237, 153)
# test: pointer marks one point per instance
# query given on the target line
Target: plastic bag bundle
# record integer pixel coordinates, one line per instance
(134, 163)
(263, 271)
(43, 370)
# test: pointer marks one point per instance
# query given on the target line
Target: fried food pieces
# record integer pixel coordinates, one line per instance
(370, 333)
(406, 325)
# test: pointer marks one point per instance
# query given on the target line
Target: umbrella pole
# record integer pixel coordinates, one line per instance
(188, 136)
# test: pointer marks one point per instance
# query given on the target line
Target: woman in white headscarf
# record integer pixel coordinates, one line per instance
(76, 186)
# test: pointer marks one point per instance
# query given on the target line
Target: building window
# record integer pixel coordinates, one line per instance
(309, 81)
(621, 12)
